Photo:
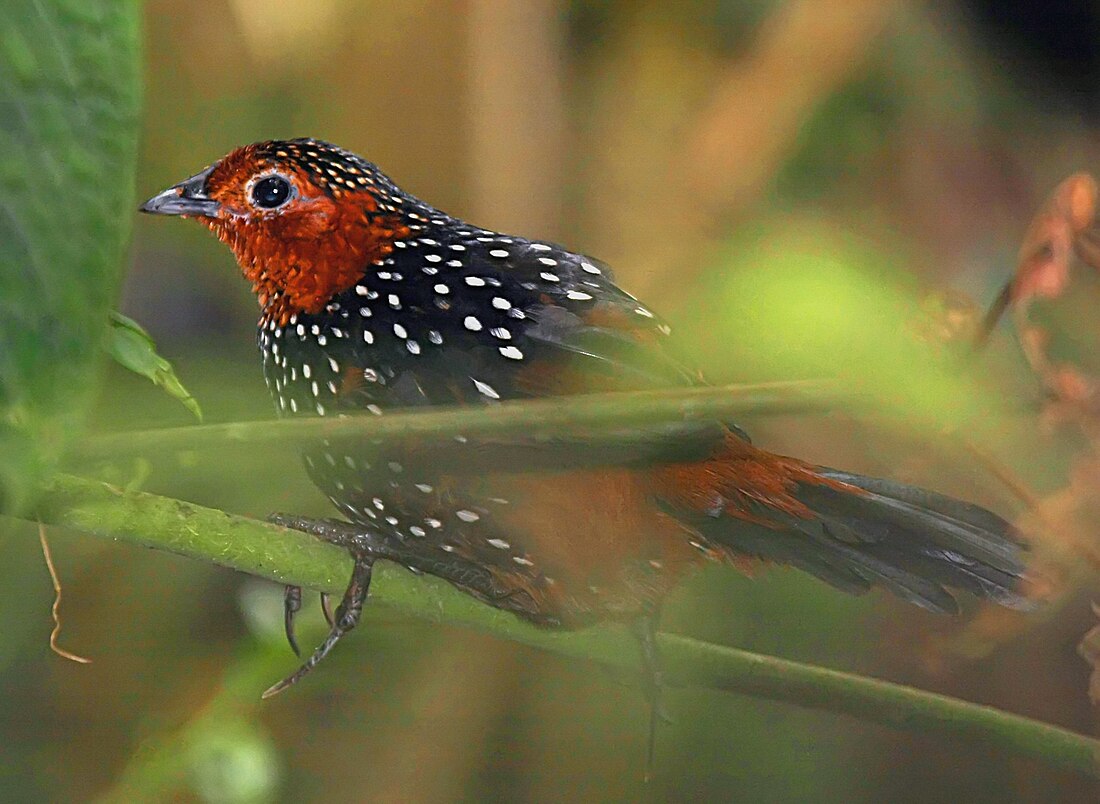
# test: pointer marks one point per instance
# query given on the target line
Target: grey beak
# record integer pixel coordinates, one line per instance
(186, 198)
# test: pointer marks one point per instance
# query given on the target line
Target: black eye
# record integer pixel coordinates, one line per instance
(274, 191)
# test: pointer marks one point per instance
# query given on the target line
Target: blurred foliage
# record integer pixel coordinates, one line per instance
(787, 181)
(801, 300)
(133, 348)
(69, 89)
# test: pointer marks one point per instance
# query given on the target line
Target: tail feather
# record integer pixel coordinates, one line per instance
(867, 532)
(947, 542)
(957, 524)
(881, 565)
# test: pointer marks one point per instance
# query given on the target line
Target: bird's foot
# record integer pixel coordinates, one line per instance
(347, 617)
(367, 546)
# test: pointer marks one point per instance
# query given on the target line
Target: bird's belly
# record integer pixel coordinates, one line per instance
(596, 537)
(568, 548)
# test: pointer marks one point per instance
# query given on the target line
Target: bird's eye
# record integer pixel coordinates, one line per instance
(271, 192)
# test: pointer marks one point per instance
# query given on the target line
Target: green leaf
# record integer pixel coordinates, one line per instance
(69, 103)
(133, 347)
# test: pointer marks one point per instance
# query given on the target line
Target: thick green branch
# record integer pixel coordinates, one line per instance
(535, 419)
(286, 556)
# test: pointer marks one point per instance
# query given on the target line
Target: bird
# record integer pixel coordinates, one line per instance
(374, 301)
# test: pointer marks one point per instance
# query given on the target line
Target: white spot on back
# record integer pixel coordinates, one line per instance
(485, 389)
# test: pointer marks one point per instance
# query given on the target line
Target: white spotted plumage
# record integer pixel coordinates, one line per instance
(449, 313)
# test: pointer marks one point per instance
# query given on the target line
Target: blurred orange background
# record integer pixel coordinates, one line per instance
(787, 182)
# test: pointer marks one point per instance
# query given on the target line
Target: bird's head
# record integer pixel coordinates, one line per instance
(305, 219)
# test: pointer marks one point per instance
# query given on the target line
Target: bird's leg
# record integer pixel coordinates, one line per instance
(347, 617)
(364, 548)
(367, 546)
(333, 531)
(292, 603)
(645, 630)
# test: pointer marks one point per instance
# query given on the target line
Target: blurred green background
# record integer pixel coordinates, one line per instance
(786, 182)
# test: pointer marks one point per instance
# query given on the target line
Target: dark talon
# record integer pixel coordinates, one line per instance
(347, 616)
(292, 603)
(326, 609)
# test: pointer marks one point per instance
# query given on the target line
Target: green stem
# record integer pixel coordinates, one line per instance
(290, 557)
(534, 419)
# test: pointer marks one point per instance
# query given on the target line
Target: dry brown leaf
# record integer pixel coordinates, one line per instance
(1065, 229)
(1043, 266)
(1063, 526)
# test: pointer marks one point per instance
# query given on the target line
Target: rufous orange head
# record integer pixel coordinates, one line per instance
(304, 218)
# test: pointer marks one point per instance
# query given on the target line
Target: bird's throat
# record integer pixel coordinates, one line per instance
(302, 271)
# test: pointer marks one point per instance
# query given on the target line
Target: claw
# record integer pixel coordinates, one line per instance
(347, 617)
(292, 602)
(326, 609)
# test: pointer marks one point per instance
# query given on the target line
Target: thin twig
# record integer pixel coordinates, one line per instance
(992, 317)
(534, 420)
(291, 557)
(55, 610)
